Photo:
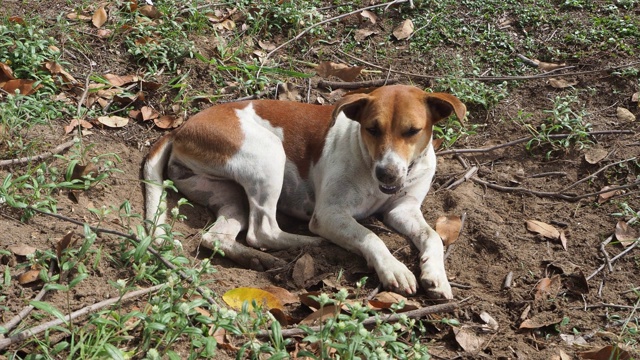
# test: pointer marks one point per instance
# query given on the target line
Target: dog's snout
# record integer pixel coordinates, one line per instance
(386, 175)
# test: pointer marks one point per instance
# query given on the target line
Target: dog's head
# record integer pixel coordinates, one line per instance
(396, 123)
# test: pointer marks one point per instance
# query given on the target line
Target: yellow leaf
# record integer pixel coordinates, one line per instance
(236, 297)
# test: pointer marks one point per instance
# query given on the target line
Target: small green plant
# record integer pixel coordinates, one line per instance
(566, 117)
(281, 17)
(452, 131)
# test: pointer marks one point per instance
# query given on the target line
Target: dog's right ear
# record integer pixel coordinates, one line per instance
(351, 105)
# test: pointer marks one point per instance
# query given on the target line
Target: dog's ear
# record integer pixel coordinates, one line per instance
(351, 105)
(443, 104)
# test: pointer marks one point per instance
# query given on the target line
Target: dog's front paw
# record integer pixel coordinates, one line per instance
(395, 276)
(434, 279)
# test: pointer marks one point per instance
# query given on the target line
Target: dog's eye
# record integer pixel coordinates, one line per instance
(374, 131)
(411, 132)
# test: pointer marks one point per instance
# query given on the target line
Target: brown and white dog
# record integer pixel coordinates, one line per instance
(331, 165)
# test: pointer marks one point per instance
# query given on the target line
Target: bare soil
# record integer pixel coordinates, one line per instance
(494, 241)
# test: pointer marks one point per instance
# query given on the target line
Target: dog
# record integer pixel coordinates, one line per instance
(370, 153)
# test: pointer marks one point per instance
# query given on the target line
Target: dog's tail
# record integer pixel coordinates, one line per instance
(153, 173)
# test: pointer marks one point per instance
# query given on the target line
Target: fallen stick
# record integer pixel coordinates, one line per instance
(58, 149)
(413, 314)
(74, 315)
(523, 140)
(133, 238)
(609, 262)
(556, 195)
(355, 84)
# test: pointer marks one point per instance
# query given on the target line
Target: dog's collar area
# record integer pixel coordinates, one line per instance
(424, 153)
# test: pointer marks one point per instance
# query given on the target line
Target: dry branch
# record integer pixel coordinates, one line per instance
(58, 149)
(135, 239)
(74, 315)
(609, 262)
(372, 320)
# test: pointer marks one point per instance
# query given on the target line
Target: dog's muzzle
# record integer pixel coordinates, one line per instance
(390, 180)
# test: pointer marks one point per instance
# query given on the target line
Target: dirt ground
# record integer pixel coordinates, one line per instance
(494, 241)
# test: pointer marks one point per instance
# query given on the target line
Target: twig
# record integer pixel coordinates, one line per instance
(58, 149)
(24, 312)
(355, 84)
(556, 195)
(133, 238)
(609, 262)
(300, 34)
(460, 286)
(552, 73)
(545, 174)
(413, 314)
(605, 305)
(522, 140)
(466, 177)
(74, 315)
(597, 172)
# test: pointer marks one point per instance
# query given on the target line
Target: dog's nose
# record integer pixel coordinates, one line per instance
(386, 175)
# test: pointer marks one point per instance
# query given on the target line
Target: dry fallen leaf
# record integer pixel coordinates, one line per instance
(104, 33)
(595, 155)
(606, 195)
(6, 73)
(63, 244)
(16, 19)
(149, 113)
(626, 234)
(491, 323)
(24, 87)
(468, 340)
(448, 227)
(541, 320)
(99, 17)
(563, 240)
(22, 249)
(113, 121)
(321, 315)
(344, 72)
(545, 66)
(150, 11)
(57, 69)
(561, 356)
(369, 15)
(284, 295)
(625, 115)
(544, 229)
(562, 83)
(606, 353)
(635, 96)
(76, 16)
(404, 30)
(117, 80)
(547, 287)
(362, 34)
(266, 45)
(168, 121)
(572, 340)
(386, 299)
(29, 276)
(75, 123)
(303, 270)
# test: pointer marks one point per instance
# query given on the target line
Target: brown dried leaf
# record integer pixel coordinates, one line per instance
(6, 73)
(226, 24)
(150, 11)
(22, 249)
(595, 155)
(467, 339)
(606, 353)
(99, 17)
(544, 229)
(266, 45)
(168, 121)
(448, 227)
(545, 66)
(541, 320)
(563, 240)
(386, 299)
(76, 16)
(75, 123)
(149, 113)
(362, 34)
(56, 69)
(607, 195)
(625, 115)
(634, 97)
(547, 287)
(29, 276)
(369, 15)
(117, 80)
(303, 270)
(562, 83)
(16, 19)
(64, 243)
(104, 33)
(113, 121)
(135, 114)
(344, 72)
(284, 295)
(491, 323)
(404, 30)
(24, 87)
(321, 315)
(80, 171)
(626, 234)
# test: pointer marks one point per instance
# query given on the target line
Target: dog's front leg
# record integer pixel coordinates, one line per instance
(405, 217)
(336, 225)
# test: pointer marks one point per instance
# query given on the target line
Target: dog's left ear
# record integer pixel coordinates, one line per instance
(443, 104)
(351, 105)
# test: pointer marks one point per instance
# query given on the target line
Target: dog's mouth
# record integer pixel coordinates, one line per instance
(389, 189)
